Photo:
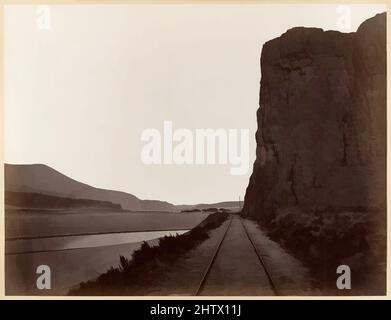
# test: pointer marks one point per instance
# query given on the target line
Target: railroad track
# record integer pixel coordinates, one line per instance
(204, 280)
(207, 271)
(259, 256)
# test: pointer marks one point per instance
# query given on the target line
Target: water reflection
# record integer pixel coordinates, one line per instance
(83, 241)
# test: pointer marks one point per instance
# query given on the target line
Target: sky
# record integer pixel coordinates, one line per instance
(83, 82)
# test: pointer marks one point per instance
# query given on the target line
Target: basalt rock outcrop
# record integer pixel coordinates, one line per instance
(321, 142)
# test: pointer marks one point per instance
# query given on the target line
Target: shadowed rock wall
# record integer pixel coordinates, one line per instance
(321, 138)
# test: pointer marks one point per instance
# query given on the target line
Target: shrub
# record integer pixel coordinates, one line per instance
(148, 262)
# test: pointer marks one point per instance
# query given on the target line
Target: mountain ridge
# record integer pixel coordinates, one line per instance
(45, 180)
(40, 178)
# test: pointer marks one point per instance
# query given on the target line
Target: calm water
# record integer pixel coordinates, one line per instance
(84, 221)
(84, 241)
(76, 258)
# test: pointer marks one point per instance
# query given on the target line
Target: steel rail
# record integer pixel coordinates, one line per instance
(272, 285)
(207, 270)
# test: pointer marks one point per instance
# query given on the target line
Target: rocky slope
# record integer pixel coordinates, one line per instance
(41, 179)
(319, 179)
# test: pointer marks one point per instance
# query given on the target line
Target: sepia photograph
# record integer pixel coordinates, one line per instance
(195, 149)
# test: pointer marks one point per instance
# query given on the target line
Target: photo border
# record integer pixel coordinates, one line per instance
(182, 2)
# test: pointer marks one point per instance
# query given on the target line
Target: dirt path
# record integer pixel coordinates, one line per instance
(184, 277)
(288, 273)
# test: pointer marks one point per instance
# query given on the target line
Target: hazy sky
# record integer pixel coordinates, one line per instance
(79, 95)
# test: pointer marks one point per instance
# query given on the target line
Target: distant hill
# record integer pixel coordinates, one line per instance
(33, 200)
(42, 179)
(38, 179)
(201, 206)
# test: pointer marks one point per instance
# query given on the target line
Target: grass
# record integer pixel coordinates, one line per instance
(325, 239)
(147, 264)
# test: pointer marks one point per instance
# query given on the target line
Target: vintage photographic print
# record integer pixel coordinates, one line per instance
(195, 149)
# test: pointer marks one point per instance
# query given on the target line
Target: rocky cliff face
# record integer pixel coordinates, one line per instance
(321, 139)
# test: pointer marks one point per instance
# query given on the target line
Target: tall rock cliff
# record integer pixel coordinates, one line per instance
(321, 138)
